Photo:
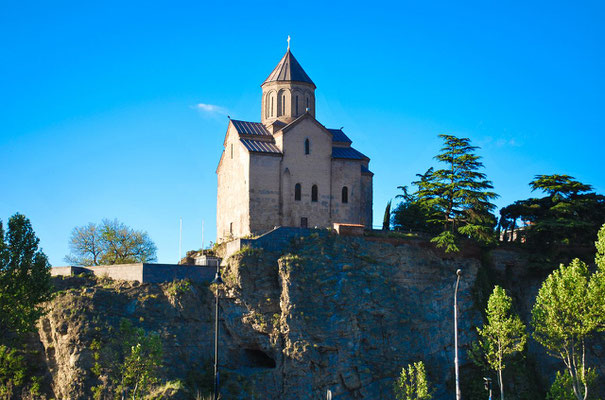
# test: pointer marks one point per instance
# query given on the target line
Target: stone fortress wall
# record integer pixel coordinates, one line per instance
(142, 272)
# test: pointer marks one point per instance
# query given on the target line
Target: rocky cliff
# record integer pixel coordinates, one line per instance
(325, 312)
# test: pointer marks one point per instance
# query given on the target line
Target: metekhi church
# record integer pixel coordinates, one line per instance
(289, 169)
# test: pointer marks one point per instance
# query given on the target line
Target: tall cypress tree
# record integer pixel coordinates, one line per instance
(386, 222)
(459, 194)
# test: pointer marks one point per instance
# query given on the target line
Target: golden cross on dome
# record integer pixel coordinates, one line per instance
(288, 42)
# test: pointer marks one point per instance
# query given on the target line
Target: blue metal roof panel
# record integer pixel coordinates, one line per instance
(365, 170)
(250, 128)
(258, 146)
(339, 136)
(347, 152)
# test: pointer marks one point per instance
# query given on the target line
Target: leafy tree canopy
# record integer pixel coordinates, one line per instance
(412, 383)
(503, 335)
(569, 216)
(110, 242)
(24, 277)
(569, 309)
(559, 185)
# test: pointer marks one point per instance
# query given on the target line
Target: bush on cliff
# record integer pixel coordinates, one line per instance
(129, 362)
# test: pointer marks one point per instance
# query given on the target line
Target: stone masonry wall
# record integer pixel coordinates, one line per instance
(233, 195)
(346, 173)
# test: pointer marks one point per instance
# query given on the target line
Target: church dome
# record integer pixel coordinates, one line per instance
(288, 70)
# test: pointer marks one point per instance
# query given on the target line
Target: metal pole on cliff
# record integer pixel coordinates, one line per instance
(218, 282)
(458, 273)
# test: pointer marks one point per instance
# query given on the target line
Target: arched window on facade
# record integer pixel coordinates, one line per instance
(308, 102)
(314, 193)
(297, 192)
(271, 105)
(283, 105)
(307, 146)
(345, 194)
(296, 106)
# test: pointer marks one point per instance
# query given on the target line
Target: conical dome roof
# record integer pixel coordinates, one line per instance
(289, 69)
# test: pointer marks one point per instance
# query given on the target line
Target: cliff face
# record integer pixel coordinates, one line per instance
(347, 314)
(327, 312)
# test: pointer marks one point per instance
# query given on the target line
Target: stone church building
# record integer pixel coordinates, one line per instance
(289, 169)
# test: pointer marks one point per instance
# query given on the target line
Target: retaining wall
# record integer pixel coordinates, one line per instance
(142, 272)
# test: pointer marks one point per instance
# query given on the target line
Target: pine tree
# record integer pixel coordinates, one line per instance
(459, 194)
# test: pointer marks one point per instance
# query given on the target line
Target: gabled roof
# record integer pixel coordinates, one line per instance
(347, 153)
(339, 136)
(365, 170)
(258, 146)
(288, 69)
(250, 128)
(306, 115)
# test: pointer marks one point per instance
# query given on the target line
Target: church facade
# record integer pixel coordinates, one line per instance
(288, 169)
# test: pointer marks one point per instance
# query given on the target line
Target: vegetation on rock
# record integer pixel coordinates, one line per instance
(129, 362)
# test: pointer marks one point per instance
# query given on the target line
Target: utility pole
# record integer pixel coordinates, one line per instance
(218, 281)
(180, 239)
(458, 274)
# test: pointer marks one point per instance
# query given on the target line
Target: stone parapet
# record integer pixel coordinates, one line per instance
(142, 272)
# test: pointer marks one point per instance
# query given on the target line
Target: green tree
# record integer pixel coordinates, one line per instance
(503, 335)
(412, 383)
(110, 242)
(12, 371)
(561, 388)
(24, 277)
(600, 245)
(569, 309)
(559, 186)
(415, 215)
(457, 197)
(569, 216)
(131, 360)
(386, 221)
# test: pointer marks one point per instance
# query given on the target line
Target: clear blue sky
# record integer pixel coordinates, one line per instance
(99, 112)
